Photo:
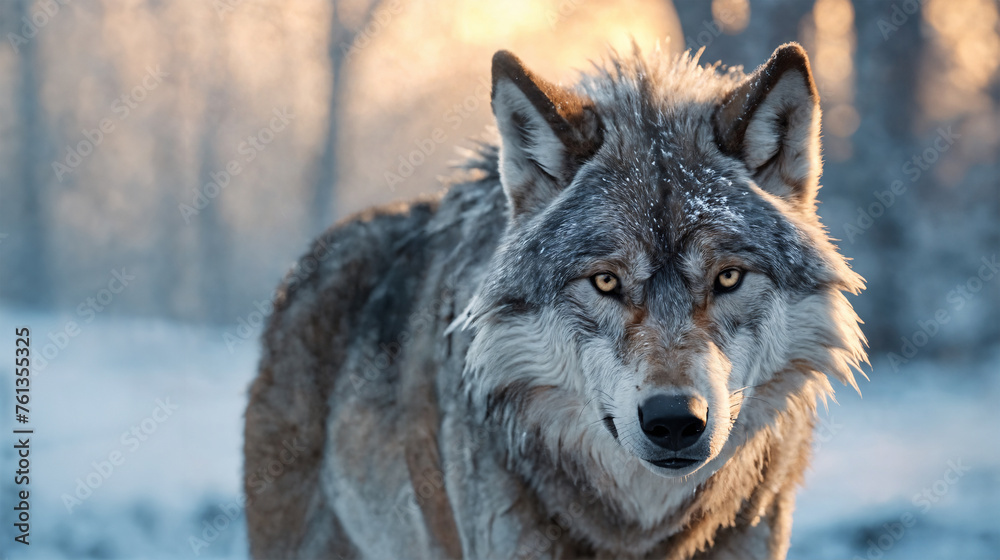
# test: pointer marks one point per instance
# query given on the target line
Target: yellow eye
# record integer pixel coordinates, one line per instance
(728, 280)
(605, 282)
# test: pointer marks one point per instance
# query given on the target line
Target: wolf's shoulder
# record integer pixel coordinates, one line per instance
(392, 247)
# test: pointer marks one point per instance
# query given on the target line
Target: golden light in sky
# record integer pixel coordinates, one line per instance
(732, 16)
(833, 44)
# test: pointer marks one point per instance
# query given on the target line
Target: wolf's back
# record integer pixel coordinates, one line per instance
(342, 318)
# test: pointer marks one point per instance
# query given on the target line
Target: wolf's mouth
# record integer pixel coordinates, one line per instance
(674, 463)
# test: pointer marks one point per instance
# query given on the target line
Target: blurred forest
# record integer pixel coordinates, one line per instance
(198, 145)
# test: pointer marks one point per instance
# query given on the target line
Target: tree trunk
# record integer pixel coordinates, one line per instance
(28, 278)
(213, 237)
(327, 167)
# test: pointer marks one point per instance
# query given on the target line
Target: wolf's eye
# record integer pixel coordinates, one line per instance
(605, 282)
(728, 280)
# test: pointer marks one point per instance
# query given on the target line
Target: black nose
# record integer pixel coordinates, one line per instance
(673, 422)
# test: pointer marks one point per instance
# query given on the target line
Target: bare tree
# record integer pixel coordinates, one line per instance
(31, 283)
(167, 262)
(213, 238)
(342, 37)
(887, 89)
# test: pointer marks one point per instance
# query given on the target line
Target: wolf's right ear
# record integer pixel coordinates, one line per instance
(771, 123)
(546, 133)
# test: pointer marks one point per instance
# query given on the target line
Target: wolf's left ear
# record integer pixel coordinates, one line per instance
(546, 133)
(771, 122)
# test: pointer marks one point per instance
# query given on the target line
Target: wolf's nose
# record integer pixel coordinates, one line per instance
(673, 422)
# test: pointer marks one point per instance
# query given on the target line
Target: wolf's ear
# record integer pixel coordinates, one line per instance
(771, 123)
(546, 133)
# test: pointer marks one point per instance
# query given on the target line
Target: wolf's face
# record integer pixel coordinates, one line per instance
(664, 277)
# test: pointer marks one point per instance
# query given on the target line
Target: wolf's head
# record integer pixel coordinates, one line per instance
(664, 276)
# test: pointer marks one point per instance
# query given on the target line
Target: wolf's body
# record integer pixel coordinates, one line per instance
(454, 378)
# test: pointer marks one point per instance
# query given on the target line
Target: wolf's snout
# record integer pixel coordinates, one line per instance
(673, 422)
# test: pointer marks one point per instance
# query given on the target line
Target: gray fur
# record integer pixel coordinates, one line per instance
(462, 390)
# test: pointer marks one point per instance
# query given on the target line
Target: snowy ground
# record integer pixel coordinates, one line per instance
(109, 378)
(910, 471)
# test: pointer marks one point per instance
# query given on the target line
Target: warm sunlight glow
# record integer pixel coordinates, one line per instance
(833, 62)
(486, 22)
(731, 15)
(967, 49)
(958, 75)
(437, 84)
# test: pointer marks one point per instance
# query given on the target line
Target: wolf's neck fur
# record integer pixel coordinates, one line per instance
(602, 495)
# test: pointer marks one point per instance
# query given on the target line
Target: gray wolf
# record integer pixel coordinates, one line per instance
(609, 341)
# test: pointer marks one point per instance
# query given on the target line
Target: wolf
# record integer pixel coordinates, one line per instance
(609, 340)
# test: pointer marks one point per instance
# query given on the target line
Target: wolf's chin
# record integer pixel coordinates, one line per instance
(674, 467)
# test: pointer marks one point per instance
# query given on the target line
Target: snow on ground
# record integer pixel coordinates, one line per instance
(912, 470)
(183, 391)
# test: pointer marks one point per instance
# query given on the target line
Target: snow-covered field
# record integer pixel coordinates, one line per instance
(110, 378)
(910, 471)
